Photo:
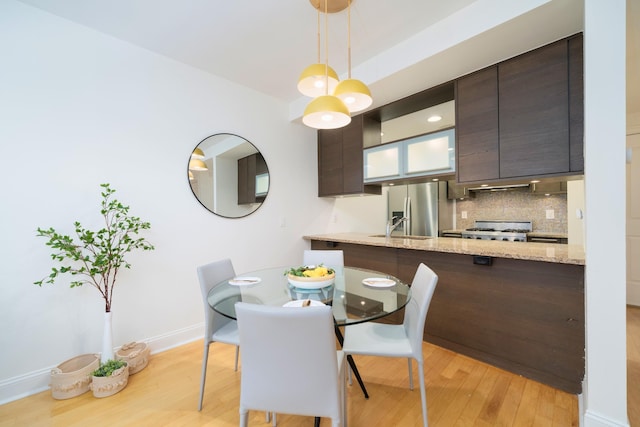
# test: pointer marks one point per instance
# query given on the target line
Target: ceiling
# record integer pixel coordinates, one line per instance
(264, 45)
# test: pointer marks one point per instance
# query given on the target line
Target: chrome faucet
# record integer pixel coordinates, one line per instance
(392, 226)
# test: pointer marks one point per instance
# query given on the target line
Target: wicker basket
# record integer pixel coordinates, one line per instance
(107, 386)
(135, 354)
(71, 378)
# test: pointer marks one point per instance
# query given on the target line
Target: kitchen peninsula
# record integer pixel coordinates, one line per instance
(516, 305)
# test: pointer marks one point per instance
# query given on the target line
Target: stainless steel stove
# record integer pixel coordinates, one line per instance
(508, 231)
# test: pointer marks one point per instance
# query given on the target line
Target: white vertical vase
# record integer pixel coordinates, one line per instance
(107, 339)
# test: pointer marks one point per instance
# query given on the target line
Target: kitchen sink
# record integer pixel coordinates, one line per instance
(403, 237)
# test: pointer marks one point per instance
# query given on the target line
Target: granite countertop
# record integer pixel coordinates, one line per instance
(547, 252)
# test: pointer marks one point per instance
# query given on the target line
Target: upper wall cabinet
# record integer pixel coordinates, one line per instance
(522, 117)
(420, 156)
(340, 165)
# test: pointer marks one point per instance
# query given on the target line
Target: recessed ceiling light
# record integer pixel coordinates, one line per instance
(434, 118)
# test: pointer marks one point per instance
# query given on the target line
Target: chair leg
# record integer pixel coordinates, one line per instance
(237, 353)
(423, 394)
(244, 418)
(203, 376)
(273, 417)
(410, 374)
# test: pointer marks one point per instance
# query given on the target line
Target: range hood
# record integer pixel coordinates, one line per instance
(499, 187)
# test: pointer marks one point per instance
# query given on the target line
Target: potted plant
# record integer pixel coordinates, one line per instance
(111, 377)
(96, 257)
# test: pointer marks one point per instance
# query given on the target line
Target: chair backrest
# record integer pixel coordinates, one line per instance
(415, 315)
(209, 275)
(288, 360)
(329, 258)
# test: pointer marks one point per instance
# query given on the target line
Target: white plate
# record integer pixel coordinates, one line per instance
(379, 282)
(310, 285)
(298, 303)
(244, 281)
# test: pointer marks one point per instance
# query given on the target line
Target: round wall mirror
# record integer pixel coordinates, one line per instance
(228, 175)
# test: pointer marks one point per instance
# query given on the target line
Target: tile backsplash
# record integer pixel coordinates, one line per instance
(517, 205)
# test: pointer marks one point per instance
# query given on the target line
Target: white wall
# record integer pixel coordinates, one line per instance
(605, 397)
(78, 109)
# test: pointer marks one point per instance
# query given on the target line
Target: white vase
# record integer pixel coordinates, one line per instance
(107, 339)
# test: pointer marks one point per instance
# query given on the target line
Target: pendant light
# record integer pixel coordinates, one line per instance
(197, 154)
(354, 93)
(197, 165)
(314, 78)
(326, 111)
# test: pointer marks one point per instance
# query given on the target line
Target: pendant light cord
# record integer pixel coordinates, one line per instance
(349, 36)
(326, 47)
(318, 28)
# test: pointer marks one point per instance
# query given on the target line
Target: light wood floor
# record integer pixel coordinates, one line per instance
(460, 392)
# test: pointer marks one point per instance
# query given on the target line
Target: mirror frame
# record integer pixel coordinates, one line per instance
(222, 152)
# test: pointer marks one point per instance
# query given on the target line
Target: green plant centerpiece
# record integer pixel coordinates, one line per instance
(111, 377)
(96, 257)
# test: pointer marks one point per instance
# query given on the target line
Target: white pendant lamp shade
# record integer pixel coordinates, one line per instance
(355, 94)
(312, 80)
(326, 112)
(197, 165)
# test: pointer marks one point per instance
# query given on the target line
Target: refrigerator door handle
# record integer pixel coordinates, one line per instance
(407, 213)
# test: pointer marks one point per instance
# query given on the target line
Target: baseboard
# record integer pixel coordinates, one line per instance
(37, 381)
(592, 419)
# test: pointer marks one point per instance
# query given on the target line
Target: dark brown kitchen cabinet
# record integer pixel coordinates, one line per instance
(533, 95)
(248, 168)
(523, 117)
(523, 316)
(340, 158)
(520, 315)
(477, 153)
(576, 104)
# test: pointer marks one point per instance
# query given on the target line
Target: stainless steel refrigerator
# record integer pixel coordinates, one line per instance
(420, 204)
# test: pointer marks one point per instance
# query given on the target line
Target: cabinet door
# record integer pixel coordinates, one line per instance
(534, 113)
(247, 180)
(477, 149)
(383, 162)
(352, 139)
(576, 104)
(340, 162)
(330, 162)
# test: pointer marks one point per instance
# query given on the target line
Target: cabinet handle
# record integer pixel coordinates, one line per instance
(545, 239)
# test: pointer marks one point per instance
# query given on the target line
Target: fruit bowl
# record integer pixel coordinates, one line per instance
(310, 277)
(311, 282)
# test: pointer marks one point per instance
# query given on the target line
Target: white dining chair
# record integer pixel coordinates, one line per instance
(290, 363)
(405, 340)
(333, 258)
(218, 328)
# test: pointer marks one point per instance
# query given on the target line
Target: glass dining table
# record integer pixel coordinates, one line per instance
(356, 295)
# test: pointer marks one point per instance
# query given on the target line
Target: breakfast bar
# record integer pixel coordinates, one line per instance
(516, 305)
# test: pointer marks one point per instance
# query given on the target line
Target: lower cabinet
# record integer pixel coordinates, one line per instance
(523, 316)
